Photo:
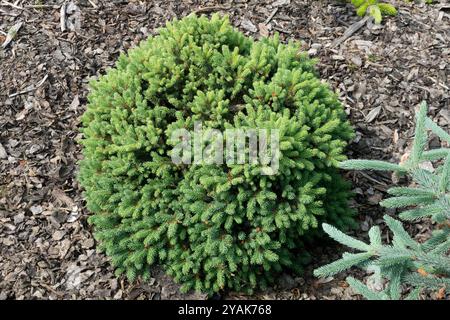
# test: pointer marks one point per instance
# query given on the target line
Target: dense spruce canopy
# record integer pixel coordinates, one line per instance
(211, 227)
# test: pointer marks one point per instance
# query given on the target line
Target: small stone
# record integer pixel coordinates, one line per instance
(248, 25)
(88, 243)
(114, 284)
(58, 55)
(427, 165)
(144, 30)
(13, 143)
(75, 103)
(58, 235)
(312, 52)
(73, 277)
(356, 61)
(98, 51)
(18, 218)
(375, 283)
(36, 210)
(8, 242)
(73, 215)
(34, 148)
(82, 257)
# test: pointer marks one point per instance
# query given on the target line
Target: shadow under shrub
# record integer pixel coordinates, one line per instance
(211, 227)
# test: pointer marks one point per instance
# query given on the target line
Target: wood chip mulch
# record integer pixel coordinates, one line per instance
(381, 74)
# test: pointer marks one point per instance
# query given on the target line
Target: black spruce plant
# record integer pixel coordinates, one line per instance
(211, 227)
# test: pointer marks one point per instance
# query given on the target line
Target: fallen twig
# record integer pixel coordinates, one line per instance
(351, 30)
(62, 18)
(274, 12)
(12, 32)
(212, 8)
(6, 3)
(93, 4)
(282, 30)
(41, 6)
(40, 83)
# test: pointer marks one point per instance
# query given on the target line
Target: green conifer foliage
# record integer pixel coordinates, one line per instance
(423, 266)
(374, 8)
(211, 227)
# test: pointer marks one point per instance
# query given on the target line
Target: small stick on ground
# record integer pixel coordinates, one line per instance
(41, 6)
(274, 12)
(12, 32)
(6, 3)
(40, 83)
(351, 30)
(62, 18)
(93, 4)
(282, 30)
(212, 8)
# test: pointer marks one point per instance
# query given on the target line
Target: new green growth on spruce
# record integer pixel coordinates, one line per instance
(374, 8)
(211, 227)
(421, 266)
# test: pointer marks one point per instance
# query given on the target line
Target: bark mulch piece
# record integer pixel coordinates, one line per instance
(47, 250)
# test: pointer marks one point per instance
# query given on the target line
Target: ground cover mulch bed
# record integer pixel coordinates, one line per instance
(47, 250)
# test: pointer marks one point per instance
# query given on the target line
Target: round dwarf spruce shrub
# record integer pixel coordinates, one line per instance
(211, 226)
